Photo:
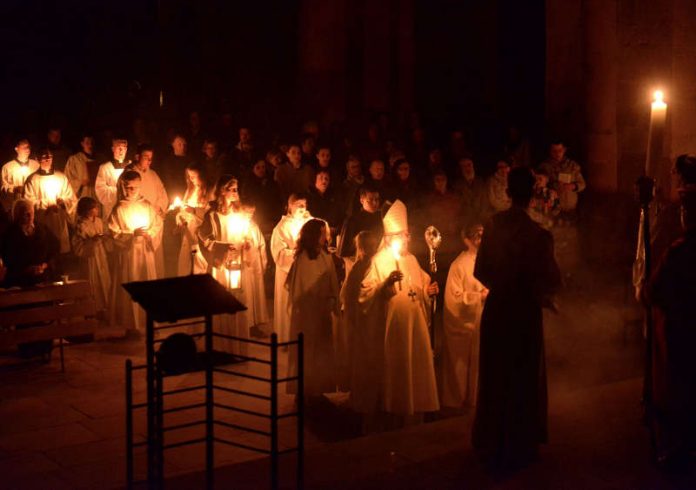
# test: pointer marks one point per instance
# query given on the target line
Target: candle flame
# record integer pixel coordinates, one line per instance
(51, 187)
(176, 204)
(117, 173)
(659, 96)
(238, 224)
(24, 171)
(138, 220)
(395, 246)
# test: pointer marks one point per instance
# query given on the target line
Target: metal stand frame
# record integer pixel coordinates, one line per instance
(156, 396)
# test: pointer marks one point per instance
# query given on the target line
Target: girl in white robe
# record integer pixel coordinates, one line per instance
(235, 251)
(53, 198)
(313, 300)
(365, 333)
(464, 296)
(137, 231)
(90, 244)
(283, 243)
(189, 218)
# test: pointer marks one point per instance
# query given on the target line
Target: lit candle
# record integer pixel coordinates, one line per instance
(234, 278)
(117, 173)
(51, 188)
(176, 204)
(238, 226)
(24, 172)
(656, 133)
(396, 245)
(138, 219)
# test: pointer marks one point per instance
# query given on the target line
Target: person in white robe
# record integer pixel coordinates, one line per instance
(15, 174)
(81, 169)
(235, 251)
(365, 333)
(283, 243)
(136, 229)
(190, 213)
(313, 301)
(105, 185)
(53, 199)
(399, 291)
(464, 297)
(153, 191)
(90, 244)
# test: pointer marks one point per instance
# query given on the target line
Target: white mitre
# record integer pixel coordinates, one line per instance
(396, 219)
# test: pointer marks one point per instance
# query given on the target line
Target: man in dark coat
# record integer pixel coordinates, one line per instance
(516, 263)
(671, 293)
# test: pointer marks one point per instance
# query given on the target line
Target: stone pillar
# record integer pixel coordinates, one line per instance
(322, 59)
(601, 79)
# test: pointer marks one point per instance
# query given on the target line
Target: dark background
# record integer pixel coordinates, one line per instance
(99, 63)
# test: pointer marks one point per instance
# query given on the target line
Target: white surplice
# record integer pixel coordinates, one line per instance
(461, 322)
(105, 186)
(313, 298)
(409, 374)
(134, 258)
(152, 189)
(44, 190)
(90, 244)
(237, 229)
(14, 174)
(77, 173)
(283, 242)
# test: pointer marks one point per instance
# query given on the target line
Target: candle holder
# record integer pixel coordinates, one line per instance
(233, 271)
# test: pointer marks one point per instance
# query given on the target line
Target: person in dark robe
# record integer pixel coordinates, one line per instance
(516, 263)
(323, 203)
(671, 293)
(261, 191)
(367, 218)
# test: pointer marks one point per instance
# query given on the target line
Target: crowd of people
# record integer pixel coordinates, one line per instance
(314, 237)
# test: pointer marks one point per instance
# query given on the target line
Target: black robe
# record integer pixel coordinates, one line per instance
(516, 263)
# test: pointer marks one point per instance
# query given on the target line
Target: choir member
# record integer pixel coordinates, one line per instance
(108, 174)
(189, 218)
(15, 173)
(81, 169)
(398, 291)
(53, 198)
(151, 188)
(313, 298)
(90, 244)
(236, 254)
(283, 244)
(497, 188)
(464, 297)
(137, 232)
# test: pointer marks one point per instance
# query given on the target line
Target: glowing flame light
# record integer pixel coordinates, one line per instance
(395, 246)
(659, 99)
(238, 226)
(51, 189)
(117, 173)
(176, 204)
(138, 220)
(24, 171)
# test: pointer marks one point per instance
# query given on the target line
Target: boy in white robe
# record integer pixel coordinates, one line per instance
(283, 243)
(137, 232)
(105, 185)
(464, 297)
(15, 173)
(53, 199)
(81, 169)
(399, 292)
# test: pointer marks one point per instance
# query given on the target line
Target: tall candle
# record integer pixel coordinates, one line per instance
(656, 134)
(396, 251)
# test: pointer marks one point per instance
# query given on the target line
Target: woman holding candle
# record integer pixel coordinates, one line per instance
(189, 217)
(235, 251)
(137, 231)
(313, 298)
(53, 198)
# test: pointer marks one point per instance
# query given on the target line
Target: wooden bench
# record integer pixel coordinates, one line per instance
(68, 309)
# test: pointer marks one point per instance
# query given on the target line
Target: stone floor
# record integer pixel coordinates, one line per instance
(66, 430)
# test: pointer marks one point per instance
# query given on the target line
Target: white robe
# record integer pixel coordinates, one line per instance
(313, 295)
(236, 229)
(365, 343)
(92, 251)
(13, 176)
(105, 186)
(283, 241)
(135, 257)
(461, 323)
(43, 191)
(77, 173)
(189, 241)
(409, 373)
(152, 189)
